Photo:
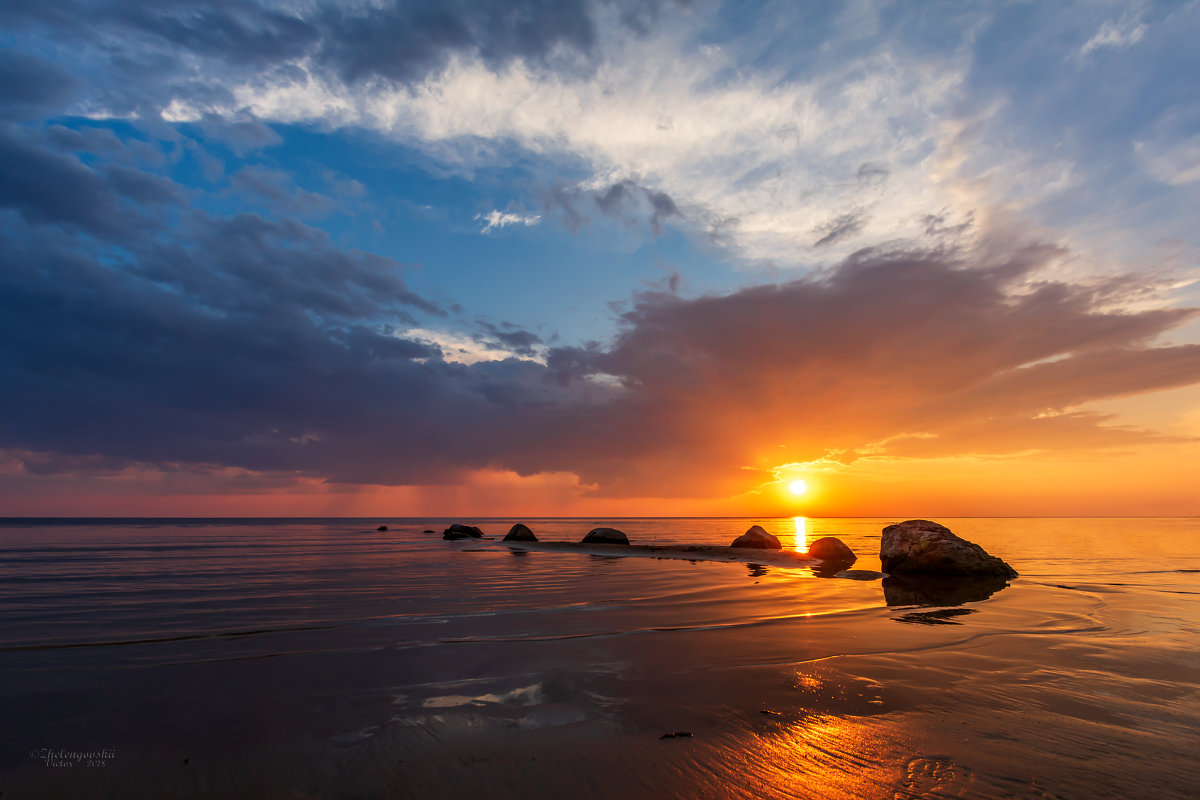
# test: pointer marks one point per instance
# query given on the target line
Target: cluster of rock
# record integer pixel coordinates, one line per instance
(521, 533)
(828, 549)
(925, 563)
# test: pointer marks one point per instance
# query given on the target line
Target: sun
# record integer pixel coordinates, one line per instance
(798, 487)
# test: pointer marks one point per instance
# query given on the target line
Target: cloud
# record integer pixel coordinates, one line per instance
(1170, 150)
(763, 162)
(761, 145)
(460, 348)
(496, 220)
(31, 86)
(841, 227)
(256, 344)
(188, 48)
(1124, 33)
(48, 188)
(242, 134)
(623, 201)
(276, 188)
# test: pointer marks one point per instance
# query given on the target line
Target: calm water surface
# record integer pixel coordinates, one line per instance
(324, 659)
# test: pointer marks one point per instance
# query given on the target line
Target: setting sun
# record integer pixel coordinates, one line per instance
(798, 487)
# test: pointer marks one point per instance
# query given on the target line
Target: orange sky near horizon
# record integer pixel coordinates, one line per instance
(1158, 480)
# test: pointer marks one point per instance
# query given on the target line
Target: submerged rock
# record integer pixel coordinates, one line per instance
(757, 537)
(921, 546)
(520, 533)
(605, 536)
(460, 531)
(832, 549)
(858, 574)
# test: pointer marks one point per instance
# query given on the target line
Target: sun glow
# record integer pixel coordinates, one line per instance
(798, 487)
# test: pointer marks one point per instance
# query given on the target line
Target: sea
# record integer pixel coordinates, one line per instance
(323, 658)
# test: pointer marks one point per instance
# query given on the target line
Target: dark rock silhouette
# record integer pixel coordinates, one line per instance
(460, 531)
(831, 549)
(921, 546)
(605, 536)
(382, 528)
(757, 537)
(520, 533)
(940, 590)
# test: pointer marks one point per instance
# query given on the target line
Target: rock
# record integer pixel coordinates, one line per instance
(921, 546)
(429, 530)
(520, 533)
(757, 537)
(382, 528)
(940, 590)
(858, 574)
(459, 531)
(605, 536)
(832, 549)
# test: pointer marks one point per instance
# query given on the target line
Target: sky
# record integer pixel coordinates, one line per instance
(599, 258)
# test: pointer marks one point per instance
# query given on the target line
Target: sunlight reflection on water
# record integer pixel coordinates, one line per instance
(801, 545)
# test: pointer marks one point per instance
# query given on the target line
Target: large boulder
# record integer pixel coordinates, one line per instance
(832, 549)
(520, 533)
(460, 531)
(757, 537)
(605, 536)
(921, 546)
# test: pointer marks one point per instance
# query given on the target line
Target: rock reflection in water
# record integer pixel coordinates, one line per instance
(936, 590)
(756, 570)
(943, 616)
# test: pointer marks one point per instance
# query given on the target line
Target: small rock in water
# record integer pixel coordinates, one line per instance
(605, 536)
(382, 528)
(460, 531)
(858, 574)
(769, 712)
(831, 548)
(921, 546)
(520, 533)
(756, 536)
(429, 530)
(677, 735)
